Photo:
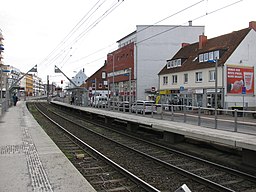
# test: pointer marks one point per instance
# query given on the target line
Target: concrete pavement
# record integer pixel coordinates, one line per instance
(30, 161)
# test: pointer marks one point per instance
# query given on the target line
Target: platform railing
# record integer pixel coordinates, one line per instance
(227, 119)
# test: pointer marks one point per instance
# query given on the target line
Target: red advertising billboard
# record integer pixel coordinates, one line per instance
(240, 79)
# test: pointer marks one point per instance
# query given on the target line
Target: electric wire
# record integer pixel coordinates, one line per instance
(75, 28)
(214, 11)
(89, 28)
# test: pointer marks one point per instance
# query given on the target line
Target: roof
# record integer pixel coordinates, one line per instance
(227, 43)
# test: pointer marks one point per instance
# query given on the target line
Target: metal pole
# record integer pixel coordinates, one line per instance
(108, 97)
(130, 89)
(216, 93)
(223, 89)
(113, 77)
(1, 85)
(48, 88)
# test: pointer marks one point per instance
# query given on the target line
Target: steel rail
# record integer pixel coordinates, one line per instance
(130, 175)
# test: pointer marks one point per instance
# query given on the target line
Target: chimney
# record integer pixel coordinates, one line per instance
(184, 44)
(202, 41)
(190, 23)
(83, 70)
(252, 25)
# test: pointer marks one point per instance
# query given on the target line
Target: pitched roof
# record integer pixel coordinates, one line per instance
(227, 43)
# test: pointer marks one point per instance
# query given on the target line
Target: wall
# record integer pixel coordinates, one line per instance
(244, 55)
(152, 53)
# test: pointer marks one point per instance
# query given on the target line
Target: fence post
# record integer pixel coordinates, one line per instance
(143, 109)
(235, 120)
(185, 117)
(172, 112)
(199, 116)
(152, 110)
(162, 112)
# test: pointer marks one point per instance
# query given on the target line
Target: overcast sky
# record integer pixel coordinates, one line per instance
(33, 29)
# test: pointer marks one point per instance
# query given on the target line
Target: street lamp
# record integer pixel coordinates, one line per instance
(215, 90)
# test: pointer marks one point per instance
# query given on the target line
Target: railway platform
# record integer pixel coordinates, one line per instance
(30, 161)
(176, 131)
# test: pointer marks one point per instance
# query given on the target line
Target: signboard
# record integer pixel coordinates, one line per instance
(239, 77)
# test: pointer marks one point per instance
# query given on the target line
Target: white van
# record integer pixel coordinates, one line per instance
(140, 106)
(100, 101)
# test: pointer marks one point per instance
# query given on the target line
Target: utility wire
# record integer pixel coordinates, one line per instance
(75, 28)
(214, 11)
(85, 31)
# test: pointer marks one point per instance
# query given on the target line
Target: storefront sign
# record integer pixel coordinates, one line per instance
(239, 77)
(165, 92)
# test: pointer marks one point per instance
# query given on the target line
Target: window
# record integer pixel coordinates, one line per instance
(216, 54)
(174, 79)
(168, 64)
(185, 78)
(178, 61)
(211, 56)
(103, 75)
(212, 75)
(201, 58)
(100, 85)
(199, 76)
(93, 85)
(206, 57)
(165, 80)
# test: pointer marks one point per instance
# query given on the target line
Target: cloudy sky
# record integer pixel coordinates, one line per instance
(77, 34)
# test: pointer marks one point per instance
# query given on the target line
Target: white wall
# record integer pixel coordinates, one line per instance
(244, 55)
(152, 53)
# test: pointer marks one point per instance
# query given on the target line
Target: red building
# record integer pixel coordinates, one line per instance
(120, 70)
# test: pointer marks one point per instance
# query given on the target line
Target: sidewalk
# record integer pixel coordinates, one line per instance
(30, 161)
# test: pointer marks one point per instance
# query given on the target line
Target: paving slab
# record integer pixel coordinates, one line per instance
(30, 160)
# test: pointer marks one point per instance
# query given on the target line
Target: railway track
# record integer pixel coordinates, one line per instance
(161, 167)
(102, 173)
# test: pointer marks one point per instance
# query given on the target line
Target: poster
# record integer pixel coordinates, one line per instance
(240, 79)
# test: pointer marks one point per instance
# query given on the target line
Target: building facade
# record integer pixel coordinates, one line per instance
(144, 52)
(79, 79)
(97, 84)
(190, 75)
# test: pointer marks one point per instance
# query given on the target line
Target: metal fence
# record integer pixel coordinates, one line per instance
(234, 120)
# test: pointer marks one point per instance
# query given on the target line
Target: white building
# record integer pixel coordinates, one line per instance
(152, 46)
(190, 77)
(79, 78)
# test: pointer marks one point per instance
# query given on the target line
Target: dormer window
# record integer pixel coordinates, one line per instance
(173, 63)
(204, 57)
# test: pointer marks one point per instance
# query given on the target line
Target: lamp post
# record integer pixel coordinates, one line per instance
(113, 77)
(215, 90)
(130, 88)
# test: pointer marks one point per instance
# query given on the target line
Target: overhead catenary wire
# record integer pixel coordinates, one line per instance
(73, 30)
(214, 11)
(199, 17)
(90, 27)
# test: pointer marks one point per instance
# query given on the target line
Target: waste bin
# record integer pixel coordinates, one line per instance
(239, 113)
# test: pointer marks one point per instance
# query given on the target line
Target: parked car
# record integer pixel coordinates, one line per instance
(123, 106)
(100, 101)
(140, 106)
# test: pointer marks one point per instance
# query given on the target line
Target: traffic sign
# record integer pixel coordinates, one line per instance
(243, 90)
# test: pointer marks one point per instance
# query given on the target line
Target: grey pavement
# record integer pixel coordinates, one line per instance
(29, 159)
